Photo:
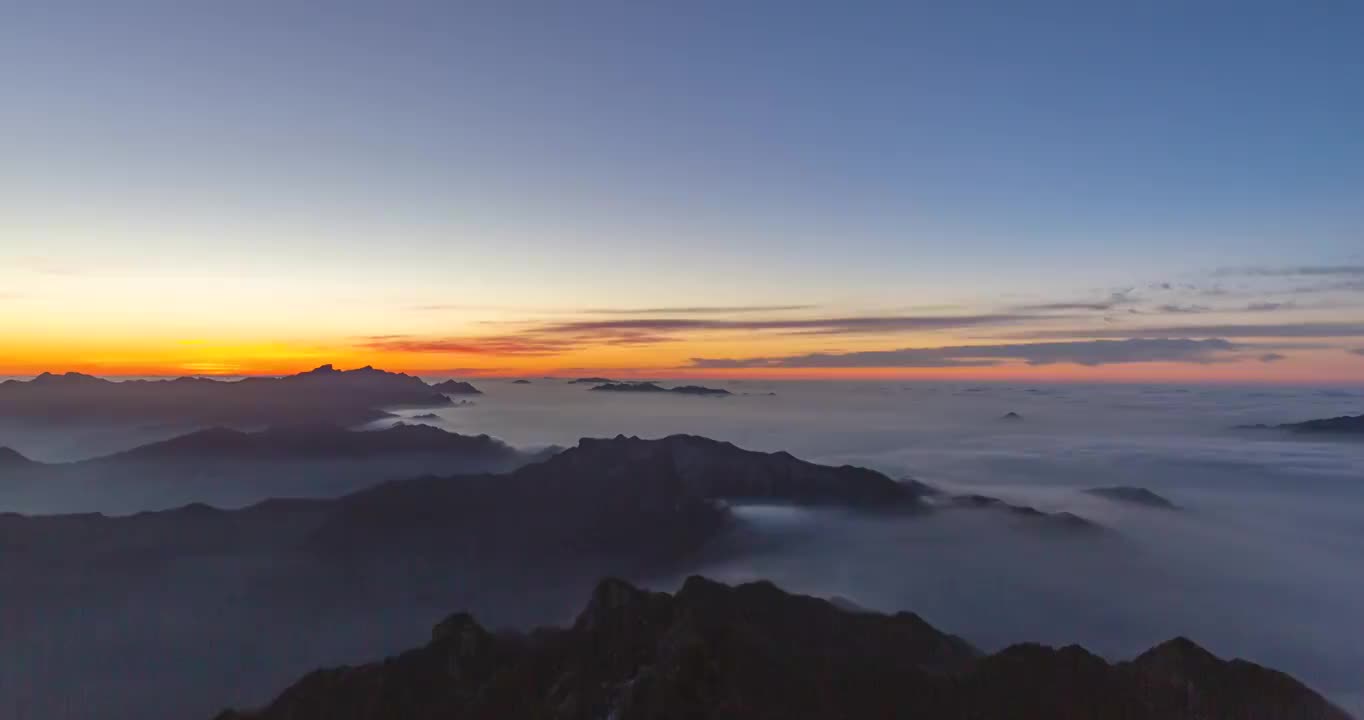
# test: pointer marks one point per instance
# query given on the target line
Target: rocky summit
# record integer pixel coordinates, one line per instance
(754, 651)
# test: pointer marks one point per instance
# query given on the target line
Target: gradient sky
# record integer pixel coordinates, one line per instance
(1159, 190)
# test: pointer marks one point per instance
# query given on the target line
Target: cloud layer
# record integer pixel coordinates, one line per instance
(1090, 353)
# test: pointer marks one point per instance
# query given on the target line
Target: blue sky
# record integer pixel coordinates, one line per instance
(610, 154)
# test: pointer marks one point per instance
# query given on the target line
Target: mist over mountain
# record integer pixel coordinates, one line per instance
(363, 569)
(1345, 425)
(230, 468)
(208, 607)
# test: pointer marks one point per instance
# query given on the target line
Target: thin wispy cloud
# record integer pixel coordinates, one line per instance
(1172, 309)
(698, 310)
(1270, 306)
(1115, 299)
(1089, 353)
(1294, 330)
(1294, 271)
(464, 346)
(835, 325)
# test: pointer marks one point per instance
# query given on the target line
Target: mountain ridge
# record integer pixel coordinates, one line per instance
(755, 651)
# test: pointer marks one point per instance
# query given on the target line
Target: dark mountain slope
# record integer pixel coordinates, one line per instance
(753, 651)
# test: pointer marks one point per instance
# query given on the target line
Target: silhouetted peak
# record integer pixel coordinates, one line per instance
(456, 387)
(321, 370)
(1179, 652)
(610, 598)
(1011, 416)
(457, 627)
(70, 378)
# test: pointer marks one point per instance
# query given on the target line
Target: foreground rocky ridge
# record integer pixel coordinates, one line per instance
(754, 651)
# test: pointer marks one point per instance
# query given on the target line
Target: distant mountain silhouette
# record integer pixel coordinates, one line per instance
(1343, 425)
(648, 387)
(754, 651)
(316, 441)
(590, 381)
(456, 387)
(1049, 520)
(231, 467)
(1134, 495)
(321, 395)
(521, 381)
(1011, 416)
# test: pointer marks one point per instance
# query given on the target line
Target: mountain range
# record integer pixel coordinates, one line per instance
(754, 651)
(322, 395)
(230, 468)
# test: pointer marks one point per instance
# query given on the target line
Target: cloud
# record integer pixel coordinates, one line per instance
(1116, 298)
(1047, 307)
(680, 310)
(698, 310)
(836, 325)
(1183, 309)
(1272, 357)
(1270, 306)
(464, 346)
(1295, 271)
(1294, 330)
(1357, 351)
(1091, 353)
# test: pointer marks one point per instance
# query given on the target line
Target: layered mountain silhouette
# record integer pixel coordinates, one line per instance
(226, 467)
(648, 387)
(456, 387)
(1343, 425)
(346, 397)
(296, 583)
(754, 651)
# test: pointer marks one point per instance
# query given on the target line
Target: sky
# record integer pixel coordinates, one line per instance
(989, 190)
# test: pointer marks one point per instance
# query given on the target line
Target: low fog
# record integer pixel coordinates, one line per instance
(1260, 561)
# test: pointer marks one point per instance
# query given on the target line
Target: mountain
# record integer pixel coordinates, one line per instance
(291, 584)
(754, 651)
(327, 441)
(1046, 520)
(1134, 495)
(456, 387)
(648, 387)
(1343, 425)
(699, 390)
(323, 395)
(1346, 424)
(13, 459)
(231, 468)
(1011, 416)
